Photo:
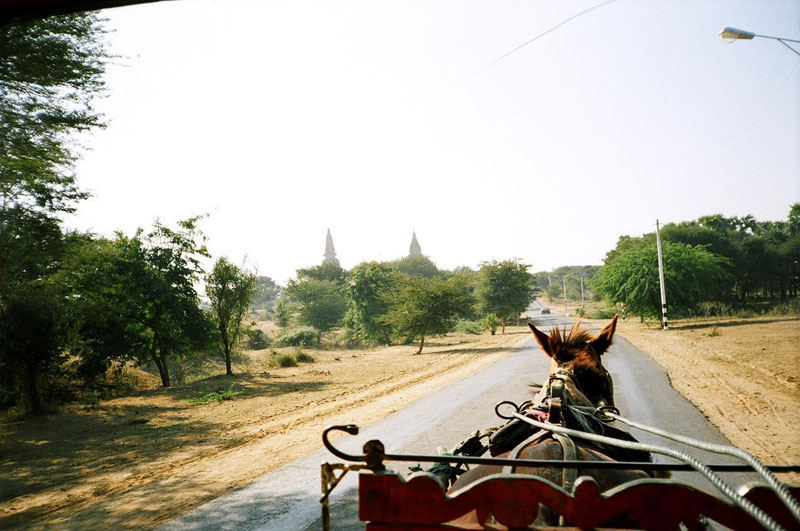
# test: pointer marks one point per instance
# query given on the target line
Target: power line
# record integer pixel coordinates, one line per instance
(573, 17)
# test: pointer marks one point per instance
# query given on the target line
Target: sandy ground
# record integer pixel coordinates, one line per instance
(743, 374)
(145, 459)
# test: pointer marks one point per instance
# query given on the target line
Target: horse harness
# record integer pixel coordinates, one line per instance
(556, 398)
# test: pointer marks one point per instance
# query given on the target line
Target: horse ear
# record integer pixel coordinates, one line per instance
(542, 339)
(602, 340)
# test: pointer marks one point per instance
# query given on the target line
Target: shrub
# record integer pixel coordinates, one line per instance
(283, 360)
(604, 313)
(714, 332)
(491, 322)
(302, 357)
(256, 339)
(580, 312)
(298, 336)
(468, 327)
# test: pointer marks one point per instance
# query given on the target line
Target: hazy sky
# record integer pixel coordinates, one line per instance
(284, 118)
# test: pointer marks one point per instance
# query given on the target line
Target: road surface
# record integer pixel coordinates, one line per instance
(287, 498)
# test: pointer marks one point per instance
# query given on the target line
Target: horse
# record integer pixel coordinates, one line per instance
(576, 357)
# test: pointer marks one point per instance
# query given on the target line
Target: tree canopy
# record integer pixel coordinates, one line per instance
(319, 303)
(230, 289)
(691, 275)
(368, 287)
(504, 289)
(423, 307)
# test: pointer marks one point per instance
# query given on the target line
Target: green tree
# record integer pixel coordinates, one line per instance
(423, 307)
(283, 312)
(50, 71)
(265, 294)
(328, 272)
(691, 275)
(163, 267)
(368, 287)
(417, 265)
(504, 289)
(230, 290)
(319, 303)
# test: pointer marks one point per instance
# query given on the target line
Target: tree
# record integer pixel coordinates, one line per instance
(329, 272)
(504, 289)
(424, 307)
(163, 267)
(230, 290)
(319, 303)
(691, 275)
(417, 265)
(265, 294)
(368, 287)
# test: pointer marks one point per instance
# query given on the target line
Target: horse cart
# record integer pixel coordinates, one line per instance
(559, 462)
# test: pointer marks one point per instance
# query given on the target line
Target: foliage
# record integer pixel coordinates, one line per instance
(327, 272)
(580, 312)
(604, 313)
(302, 357)
(265, 293)
(163, 305)
(299, 336)
(319, 303)
(691, 275)
(504, 289)
(283, 360)
(283, 312)
(230, 290)
(491, 323)
(215, 396)
(763, 257)
(367, 295)
(417, 265)
(50, 72)
(464, 326)
(423, 307)
(256, 339)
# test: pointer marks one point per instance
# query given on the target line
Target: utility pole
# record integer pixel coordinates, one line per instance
(661, 279)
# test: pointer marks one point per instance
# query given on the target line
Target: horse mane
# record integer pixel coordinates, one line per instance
(566, 346)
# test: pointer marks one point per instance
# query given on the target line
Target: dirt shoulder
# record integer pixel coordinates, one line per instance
(743, 374)
(142, 460)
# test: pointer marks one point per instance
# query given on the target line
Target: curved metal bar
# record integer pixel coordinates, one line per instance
(352, 429)
(497, 461)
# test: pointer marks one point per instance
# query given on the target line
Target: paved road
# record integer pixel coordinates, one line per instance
(287, 499)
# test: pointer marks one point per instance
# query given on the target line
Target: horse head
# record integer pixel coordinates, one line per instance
(578, 354)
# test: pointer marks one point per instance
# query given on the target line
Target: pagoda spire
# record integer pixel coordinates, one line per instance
(414, 249)
(330, 251)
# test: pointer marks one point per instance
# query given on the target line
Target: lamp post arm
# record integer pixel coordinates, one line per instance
(776, 38)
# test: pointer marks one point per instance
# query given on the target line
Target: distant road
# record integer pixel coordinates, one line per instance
(287, 498)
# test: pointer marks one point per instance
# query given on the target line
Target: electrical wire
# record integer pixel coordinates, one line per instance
(573, 17)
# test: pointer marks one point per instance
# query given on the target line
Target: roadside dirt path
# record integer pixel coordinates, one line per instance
(143, 460)
(743, 374)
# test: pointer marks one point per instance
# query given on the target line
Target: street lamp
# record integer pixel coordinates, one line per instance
(734, 34)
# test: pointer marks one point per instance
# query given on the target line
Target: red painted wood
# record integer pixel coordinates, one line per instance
(388, 501)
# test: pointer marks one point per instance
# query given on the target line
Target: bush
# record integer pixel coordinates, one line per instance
(302, 357)
(468, 327)
(298, 336)
(580, 312)
(605, 313)
(283, 360)
(256, 339)
(490, 322)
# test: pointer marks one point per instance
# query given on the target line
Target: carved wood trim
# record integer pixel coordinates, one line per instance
(388, 501)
